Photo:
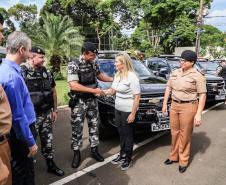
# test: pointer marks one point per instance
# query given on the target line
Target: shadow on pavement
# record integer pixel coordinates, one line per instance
(200, 143)
(99, 177)
(164, 140)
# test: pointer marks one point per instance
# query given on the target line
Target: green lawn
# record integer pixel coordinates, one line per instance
(64, 70)
(62, 90)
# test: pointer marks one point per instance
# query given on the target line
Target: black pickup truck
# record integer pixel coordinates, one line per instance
(149, 116)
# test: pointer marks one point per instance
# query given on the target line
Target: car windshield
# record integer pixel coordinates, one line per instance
(208, 66)
(107, 67)
(141, 69)
(174, 64)
(161, 63)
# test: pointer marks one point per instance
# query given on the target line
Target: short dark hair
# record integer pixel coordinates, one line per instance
(189, 55)
(1, 19)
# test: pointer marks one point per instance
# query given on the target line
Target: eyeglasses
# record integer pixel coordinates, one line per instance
(183, 60)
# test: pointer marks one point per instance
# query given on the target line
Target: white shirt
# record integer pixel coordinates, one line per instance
(125, 90)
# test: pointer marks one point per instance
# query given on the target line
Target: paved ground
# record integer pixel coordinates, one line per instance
(207, 166)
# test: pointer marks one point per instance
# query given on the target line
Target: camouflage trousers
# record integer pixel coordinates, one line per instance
(85, 108)
(44, 128)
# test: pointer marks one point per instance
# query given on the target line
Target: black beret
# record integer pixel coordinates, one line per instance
(189, 55)
(89, 46)
(37, 50)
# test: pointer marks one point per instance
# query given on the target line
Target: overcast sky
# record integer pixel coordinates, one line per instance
(218, 8)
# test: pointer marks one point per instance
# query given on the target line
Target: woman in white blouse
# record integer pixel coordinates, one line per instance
(126, 86)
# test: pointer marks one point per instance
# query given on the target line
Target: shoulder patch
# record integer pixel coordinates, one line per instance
(72, 67)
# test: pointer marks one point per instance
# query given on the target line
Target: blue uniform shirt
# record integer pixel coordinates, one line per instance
(23, 113)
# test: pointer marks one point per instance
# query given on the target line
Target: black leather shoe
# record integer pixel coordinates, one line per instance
(168, 162)
(52, 168)
(95, 154)
(76, 159)
(182, 169)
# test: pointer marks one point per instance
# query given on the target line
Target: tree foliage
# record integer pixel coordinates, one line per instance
(95, 18)
(26, 16)
(8, 24)
(165, 23)
(59, 38)
(82, 12)
(160, 25)
(211, 36)
(180, 34)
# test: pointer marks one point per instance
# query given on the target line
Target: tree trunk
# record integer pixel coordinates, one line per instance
(55, 62)
(98, 37)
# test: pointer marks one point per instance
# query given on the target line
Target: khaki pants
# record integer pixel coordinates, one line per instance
(181, 123)
(6, 158)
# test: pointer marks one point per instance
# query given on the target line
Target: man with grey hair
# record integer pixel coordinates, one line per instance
(22, 134)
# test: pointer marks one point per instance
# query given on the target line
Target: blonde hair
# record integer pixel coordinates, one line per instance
(128, 66)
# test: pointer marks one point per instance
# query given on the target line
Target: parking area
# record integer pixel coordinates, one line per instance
(207, 166)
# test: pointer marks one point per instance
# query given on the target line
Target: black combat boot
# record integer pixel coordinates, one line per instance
(76, 159)
(95, 154)
(52, 168)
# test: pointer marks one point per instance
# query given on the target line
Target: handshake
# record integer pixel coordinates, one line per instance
(100, 92)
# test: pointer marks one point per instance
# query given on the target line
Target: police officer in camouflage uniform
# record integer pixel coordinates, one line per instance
(41, 86)
(82, 79)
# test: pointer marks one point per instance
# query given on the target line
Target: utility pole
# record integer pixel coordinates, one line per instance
(199, 30)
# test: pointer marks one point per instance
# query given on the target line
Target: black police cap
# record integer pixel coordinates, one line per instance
(37, 50)
(89, 46)
(189, 55)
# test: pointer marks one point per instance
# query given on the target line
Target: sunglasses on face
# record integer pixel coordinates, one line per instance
(183, 60)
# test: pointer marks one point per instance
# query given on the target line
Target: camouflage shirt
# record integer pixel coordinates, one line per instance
(80, 65)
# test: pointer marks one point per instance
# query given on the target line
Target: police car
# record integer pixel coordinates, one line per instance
(149, 116)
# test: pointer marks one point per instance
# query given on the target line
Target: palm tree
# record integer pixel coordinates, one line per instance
(59, 38)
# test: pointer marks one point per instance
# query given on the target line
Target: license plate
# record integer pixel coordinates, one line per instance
(158, 127)
(220, 97)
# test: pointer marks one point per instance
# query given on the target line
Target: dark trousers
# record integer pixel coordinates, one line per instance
(125, 131)
(22, 166)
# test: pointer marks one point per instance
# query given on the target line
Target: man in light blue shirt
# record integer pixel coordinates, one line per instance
(22, 135)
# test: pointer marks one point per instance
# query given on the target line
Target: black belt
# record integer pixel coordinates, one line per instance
(4, 137)
(180, 101)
